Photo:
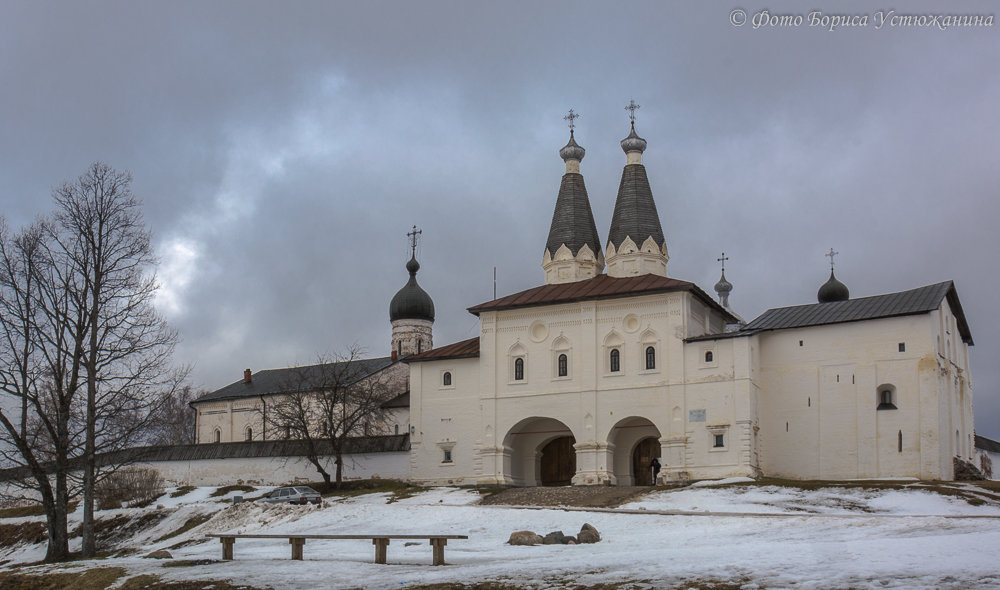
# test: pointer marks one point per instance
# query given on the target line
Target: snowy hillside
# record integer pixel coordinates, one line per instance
(770, 537)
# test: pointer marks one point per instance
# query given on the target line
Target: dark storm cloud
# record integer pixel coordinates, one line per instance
(284, 150)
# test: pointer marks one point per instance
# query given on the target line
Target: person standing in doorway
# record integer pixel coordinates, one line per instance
(654, 466)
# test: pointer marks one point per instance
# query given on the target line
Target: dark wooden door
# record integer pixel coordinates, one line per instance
(641, 457)
(558, 462)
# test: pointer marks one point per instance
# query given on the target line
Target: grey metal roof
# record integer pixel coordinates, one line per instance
(635, 211)
(271, 381)
(573, 220)
(987, 444)
(912, 302)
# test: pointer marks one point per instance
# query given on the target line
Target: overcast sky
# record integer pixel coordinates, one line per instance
(283, 151)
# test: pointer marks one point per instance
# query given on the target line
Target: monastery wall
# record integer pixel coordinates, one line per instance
(278, 471)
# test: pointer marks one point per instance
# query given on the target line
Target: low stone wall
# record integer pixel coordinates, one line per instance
(278, 470)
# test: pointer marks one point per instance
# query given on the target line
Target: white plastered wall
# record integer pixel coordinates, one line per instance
(819, 393)
(592, 403)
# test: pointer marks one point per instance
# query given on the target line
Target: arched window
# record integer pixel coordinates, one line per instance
(886, 398)
(650, 358)
(419, 346)
(218, 435)
(399, 348)
(249, 433)
(519, 369)
(708, 356)
(446, 379)
(616, 360)
(563, 365)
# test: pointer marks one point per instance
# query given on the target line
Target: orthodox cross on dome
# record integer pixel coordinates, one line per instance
(723, 261)
(570, 117)
(632, 108)
(830, 255)
(413, 235)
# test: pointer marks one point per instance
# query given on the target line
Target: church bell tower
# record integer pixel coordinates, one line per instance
(573, 249)
(635, 241)
(411, 311)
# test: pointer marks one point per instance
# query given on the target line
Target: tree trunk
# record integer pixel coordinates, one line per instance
(56, 519)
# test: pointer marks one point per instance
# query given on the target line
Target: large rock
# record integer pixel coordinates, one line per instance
(160, 554)
(524, 538)
(554, 538)
(588, 534)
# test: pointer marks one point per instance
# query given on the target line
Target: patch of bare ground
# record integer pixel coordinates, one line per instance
(102, 578)
(118, 529)
(188, 525)
(581, 496)
(92, 579)
(22, 532)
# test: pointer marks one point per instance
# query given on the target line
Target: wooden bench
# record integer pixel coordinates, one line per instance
(381, 543)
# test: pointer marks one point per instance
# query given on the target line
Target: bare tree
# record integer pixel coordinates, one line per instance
(174, 421)
(127, 350)
(85, 354)
(326, 404)
(37, 372)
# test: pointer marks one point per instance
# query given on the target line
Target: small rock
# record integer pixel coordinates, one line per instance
(588, 534)
(554, 538)
(569, 541)
(524, 538)
(160, 554)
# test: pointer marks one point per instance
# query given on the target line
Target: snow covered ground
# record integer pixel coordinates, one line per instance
(829, 538)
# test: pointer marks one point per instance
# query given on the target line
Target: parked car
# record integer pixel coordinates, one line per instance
(293, 495)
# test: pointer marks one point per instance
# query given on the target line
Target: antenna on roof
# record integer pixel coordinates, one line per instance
(494, 283)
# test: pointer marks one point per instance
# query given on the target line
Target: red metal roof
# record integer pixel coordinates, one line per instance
(464, 349)
(599, 287)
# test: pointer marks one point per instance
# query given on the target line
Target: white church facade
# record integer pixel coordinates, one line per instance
(612, 363)
(586, 379)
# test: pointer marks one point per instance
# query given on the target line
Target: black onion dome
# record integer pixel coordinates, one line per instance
(572, 150)
(723, 286)
(833, 290)
(411, 302)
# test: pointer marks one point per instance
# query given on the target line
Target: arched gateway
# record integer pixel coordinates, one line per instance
(636, 442)
(541, 452)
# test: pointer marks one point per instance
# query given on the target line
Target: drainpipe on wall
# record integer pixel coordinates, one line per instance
(263, 420)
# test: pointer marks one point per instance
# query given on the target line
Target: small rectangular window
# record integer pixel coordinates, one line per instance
(720, 441)
(902, 347)
(800, 343)
(447, 456)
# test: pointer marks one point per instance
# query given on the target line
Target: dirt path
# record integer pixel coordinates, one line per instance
(579, 496)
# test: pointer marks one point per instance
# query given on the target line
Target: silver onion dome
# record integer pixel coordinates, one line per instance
(633, 143)
(572, 150)
(723, 286)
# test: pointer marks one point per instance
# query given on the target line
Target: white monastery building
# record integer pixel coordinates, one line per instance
(612, 362)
